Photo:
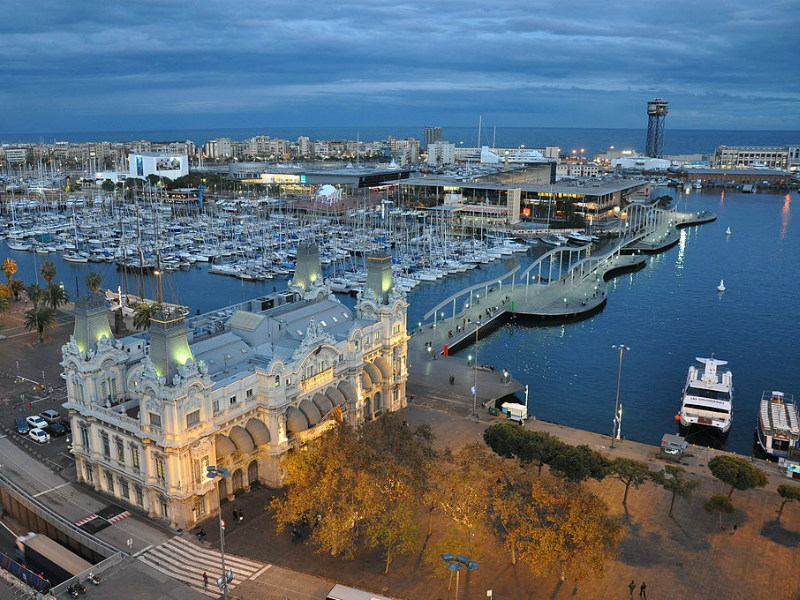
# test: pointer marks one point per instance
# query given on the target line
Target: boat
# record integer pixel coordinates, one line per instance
(580, 239)
(707, 397)
(75, 257)
(728, 231)
(778, 426)
(721, 286)
(553, 239)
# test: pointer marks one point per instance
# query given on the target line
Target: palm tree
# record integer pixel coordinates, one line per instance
(17, 287)
(9, 267)
(143, 313)
(35, 294)
(94, 282)
(56, 295)
(48, 271)
(40, 319)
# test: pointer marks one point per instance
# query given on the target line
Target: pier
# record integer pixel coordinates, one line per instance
(564, 284)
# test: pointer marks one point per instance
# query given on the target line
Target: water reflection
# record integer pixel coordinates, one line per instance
(681, 250)
(722, 198)
(786, 215)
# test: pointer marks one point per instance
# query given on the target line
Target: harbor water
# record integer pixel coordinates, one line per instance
(668, 313)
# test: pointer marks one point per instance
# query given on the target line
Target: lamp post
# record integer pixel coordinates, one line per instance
(615, 423)
(475, 373)
(212, 473)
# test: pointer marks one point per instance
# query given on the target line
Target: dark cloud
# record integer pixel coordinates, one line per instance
(149, 64)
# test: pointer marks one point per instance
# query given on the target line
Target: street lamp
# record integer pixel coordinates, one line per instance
(455, 564)
(222, 582)
(617, 420)
(475, 373)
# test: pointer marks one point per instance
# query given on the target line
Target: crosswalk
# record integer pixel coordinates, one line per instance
(186, 561)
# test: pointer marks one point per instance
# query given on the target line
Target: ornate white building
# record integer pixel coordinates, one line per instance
(235, 388)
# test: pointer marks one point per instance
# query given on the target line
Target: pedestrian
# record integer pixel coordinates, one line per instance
(643, 590)
(205, 580)
(632, 587)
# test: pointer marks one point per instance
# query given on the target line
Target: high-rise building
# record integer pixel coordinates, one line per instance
(657, 110)
(432, 135)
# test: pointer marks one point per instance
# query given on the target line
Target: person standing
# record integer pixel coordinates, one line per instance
(643, 590)
(205, 580)
(632, 587)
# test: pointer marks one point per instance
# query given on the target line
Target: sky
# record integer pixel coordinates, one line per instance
(84, 65)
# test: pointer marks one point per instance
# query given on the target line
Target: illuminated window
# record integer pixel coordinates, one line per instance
(159, 462)
(135, 456)
(120, 450)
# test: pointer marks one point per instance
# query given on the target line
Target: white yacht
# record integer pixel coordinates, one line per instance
(778, 425)
(708, 397)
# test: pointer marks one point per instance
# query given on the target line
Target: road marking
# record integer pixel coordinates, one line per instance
(259, 573)
(85, 520)
(58, 487)
(143, 550)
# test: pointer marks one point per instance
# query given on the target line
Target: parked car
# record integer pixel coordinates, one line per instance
(39, 435)
(36, 422)
(55, 430)
(64, 422)
(21, 426)
(51, 416)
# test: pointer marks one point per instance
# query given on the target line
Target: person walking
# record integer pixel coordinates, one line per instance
(205, 580)
(643, 590)
(632, 587)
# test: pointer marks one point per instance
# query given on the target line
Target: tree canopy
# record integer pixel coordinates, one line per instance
(673, 479)
(9, 268)
(630, 472)
(719, 503)
(789, 493)
(94, 282)
(39, 320)
(737, 472)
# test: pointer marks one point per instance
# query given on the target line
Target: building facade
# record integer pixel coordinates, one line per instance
(772, 157)
(441, 153)
(236, 388)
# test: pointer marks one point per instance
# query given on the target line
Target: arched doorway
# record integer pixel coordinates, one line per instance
(378, 402)
(368, 409)
(252, 472)
(238, 482)
(223, 489)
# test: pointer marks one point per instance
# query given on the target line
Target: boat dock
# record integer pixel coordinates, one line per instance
(564, 284)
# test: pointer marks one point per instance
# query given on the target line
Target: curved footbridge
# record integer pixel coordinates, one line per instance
(564, 284)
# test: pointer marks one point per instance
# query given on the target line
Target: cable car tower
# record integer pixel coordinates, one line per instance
(657, 110)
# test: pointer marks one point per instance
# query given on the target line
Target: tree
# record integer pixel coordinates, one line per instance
(789, 493)
(107, 185)
(509, 506)
(9, 267)
(539, 448)
(94, 282)
(39, 319)
(504, 438)
(567, 527)
(35, 294)
(719, 503)
(5, 294)
(630, 472)
(17, 286)
(393, 529)
(673, 479)
(48, 271)
(737, 472)
(578, 463)
(143, 313)
(56, 295)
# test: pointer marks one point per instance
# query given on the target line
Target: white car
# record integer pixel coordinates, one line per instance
(36, 422)
(39, 435)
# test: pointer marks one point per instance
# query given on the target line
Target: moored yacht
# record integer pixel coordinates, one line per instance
(778, 425)
(708, 397)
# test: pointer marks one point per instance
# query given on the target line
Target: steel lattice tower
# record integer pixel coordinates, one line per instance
(657, 110)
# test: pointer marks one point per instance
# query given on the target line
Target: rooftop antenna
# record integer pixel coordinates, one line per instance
(480, 124)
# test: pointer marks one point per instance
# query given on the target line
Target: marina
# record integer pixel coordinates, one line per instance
(668, 312)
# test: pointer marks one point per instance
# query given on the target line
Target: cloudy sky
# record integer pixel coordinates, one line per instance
(84, 65)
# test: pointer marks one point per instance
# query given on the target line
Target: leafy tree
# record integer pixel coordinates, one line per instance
(394, 529)
(152, 179)
(107, 185)
(789, 493)
(48, 271)
(504, 438)
(539, 448)
(9, 268)
(630, 472)
(36, 294)
(94, 282)
(578, 463)
(143, 313)
(5, 294)
(673, 479)
(41, 320)
(737, 472)
(510, 505)
(17, 286)
(567, 527)
(56, 295)
(719, 503)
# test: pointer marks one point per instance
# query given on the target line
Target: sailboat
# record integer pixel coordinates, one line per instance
(728, 231)
(721, 286)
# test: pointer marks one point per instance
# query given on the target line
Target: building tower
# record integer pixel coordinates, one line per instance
(432, 135)
(657, 110)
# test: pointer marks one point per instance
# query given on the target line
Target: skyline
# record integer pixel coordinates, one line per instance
(83, 67)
